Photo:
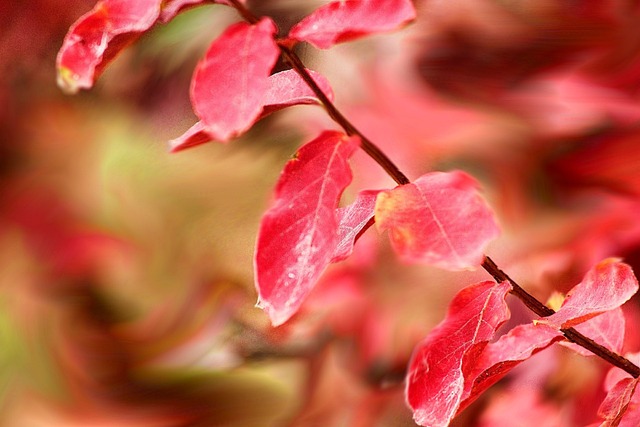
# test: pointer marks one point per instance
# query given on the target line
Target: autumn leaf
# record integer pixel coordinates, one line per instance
(98, 36)
(615, 407)
(342, 21)
(352, 219)
(298, 234)
(439, 219)
(436, 378)
(285, 89)
(606, 329)
(605, 287)
(171, 8)
(231, 81)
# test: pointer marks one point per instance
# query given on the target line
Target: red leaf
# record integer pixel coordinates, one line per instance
(607, 329)
(195, 135)
(286, 89)
(172, 8)
(439, 219)
(436, 378)
(605, 287)
(341, 21)
(299, 233)
(615, 407)
(98, 36)
(230, 83)
(499, 357)
(352, 219)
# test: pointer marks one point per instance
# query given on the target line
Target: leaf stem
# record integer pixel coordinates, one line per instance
(365, 143)
(570, 333)
(399, 177)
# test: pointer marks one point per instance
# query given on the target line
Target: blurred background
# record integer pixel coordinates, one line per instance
(126, 284)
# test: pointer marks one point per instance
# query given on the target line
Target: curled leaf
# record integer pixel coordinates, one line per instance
(342, 21)
(285, 89)
(98, 36)
(352, 220)
(605, 287)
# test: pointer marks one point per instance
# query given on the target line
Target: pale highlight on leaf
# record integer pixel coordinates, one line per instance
(439, 219)
(285, 89)
(615, 409)
(98, 36)
(437, 370)
(298, 234)
(352, 219)
(171, 8)
(346, 20)
(231, 81)
(605, 287)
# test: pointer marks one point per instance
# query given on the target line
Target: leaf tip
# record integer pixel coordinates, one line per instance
(70, 82)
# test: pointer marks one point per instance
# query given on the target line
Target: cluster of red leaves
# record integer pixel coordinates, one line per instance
(440, 219)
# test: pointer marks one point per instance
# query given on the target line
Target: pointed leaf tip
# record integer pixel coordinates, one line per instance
(298, 234)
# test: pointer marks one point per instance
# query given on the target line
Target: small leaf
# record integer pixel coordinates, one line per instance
(352, 219)
(346, 20)
(230, 83)
(439, 219)
(298, 234)
(171, 8)
(614, 408)
(605, 287)
(285, 89)
(437, 370)
(98, 36)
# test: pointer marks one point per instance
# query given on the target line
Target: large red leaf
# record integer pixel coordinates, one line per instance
(285, 89)
(231, 81)
(98, 36)
(298, 234)
(352, 219)
(605, 287)
(341, 21)
(439, 219)
(438, 367)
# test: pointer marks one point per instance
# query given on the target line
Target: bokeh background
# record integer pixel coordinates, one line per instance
(126, 283)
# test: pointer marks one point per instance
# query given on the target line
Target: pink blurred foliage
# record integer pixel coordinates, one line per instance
(539, 100)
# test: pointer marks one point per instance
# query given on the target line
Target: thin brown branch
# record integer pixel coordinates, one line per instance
(571, 334)
(365, 143)
(399, 177)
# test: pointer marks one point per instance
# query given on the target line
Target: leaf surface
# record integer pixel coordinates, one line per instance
(98, 36)
(171, 8)
(342, 21)
(439, 219)
(352, 219)
(438, 366)
(615, 408)
(298, 234)
(605, 287)
(607, 329)
(231, 81)
(285, 89)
